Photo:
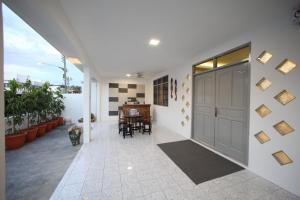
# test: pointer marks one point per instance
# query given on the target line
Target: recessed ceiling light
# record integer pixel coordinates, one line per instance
(154, 42)
(128, 75)
(74, 60)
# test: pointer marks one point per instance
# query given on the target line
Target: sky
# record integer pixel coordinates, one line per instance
(25, 50)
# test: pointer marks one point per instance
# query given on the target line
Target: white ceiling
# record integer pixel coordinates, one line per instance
(112, 36)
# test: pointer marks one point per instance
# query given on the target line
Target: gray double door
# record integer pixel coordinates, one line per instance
(220, 110)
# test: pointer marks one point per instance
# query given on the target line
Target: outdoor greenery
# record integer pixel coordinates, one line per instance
(35, 104)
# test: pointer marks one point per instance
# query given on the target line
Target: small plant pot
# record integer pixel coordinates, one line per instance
(31, 134)
(75, 138)
(55, 123)
(49, 126)
(61, 121)
(41, 130)
(15, 141)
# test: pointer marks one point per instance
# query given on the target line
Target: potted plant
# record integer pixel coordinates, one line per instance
(29, 101)
(56, 108)
(74, 134)
(43, 98)
(14, 113)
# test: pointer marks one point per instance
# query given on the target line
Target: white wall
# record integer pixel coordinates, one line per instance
(2, 128)
(73, 107)
(105, 93)
(282, 40)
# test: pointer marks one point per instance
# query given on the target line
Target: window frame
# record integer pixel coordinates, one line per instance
(161, 91)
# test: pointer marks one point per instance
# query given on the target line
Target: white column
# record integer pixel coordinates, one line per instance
(86, 105)
(2, 144)
(98, 102)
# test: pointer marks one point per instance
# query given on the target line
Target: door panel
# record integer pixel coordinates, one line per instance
(232, 103)
(204, 108)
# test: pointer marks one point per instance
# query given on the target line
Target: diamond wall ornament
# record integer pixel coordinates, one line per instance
(187, 104)
(263, 84)
(284, 97)
(182, 110)
(283, 128)
(264, 57)
(282, 158)
(182, 97)
(182, 123)
(183, 84)
(286, 66)
(263, 110)
(187, 90)
(187, 118)
(188, 77)
(262, 137)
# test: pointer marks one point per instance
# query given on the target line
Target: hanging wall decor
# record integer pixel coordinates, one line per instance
(182, 110)
(171, 88)
(175, 83)
(183, 84)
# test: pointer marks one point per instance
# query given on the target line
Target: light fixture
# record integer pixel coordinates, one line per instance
(74, 61)
(283, 128)
(128, 75)
(154, 42)
(263, 84)
(263, 110)
(264, 57)
(262, 137)
(282, 158)
(129, 167)
(284, 97)
(286, 66)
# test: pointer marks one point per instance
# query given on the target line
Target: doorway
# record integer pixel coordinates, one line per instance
(220, 110)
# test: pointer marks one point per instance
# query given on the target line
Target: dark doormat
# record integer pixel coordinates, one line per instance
(197, 162)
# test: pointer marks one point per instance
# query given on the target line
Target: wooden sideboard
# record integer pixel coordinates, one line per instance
(143, 109)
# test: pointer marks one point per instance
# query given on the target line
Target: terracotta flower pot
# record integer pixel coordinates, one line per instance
(61, 121)
(41, 130)
(49, 126)
(15, 141)
(31, 134)
(55, 123)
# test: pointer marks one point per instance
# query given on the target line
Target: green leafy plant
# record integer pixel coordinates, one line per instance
(57, 104)
(30, 102)
(43, 100)
(14, 105)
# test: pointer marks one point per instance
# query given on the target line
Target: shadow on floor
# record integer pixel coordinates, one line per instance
(34, 171)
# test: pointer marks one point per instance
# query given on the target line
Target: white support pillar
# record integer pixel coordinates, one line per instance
(98, 102)
(86, 105)
(2, 139)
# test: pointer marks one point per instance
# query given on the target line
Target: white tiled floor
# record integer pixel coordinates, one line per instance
(135, 168)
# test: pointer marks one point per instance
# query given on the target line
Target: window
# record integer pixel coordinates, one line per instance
(160, 91)
(232, 57)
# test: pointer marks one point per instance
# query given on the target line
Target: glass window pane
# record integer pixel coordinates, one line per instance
(203, 67)
(233, 57)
